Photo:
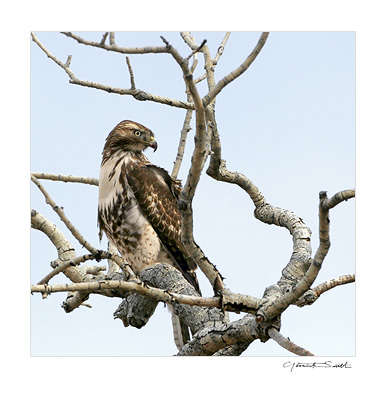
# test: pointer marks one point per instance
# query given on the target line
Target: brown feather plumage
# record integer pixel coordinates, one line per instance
(150, 187)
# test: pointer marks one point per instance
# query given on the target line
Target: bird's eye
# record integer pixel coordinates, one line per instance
(137, 133)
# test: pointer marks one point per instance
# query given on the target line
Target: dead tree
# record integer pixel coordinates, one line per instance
(208, 317)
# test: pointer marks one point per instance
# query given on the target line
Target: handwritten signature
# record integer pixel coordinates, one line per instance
(327, 364)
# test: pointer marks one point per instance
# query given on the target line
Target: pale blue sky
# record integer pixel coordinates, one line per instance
(288, 124)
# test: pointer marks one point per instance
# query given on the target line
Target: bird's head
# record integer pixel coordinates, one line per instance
(130, 136)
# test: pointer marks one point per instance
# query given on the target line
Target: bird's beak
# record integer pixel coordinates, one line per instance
(153, 144)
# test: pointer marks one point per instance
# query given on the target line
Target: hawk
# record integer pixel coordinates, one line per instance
(137, 207)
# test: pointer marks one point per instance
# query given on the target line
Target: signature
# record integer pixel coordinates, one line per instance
(312, 365)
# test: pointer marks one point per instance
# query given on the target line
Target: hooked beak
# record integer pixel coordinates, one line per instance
(153, 144)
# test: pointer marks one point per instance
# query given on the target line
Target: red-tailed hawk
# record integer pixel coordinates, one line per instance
(137, 206)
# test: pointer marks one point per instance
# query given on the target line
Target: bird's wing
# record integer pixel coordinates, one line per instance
(157, 194)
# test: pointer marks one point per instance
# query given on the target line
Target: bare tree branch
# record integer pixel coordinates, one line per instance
(328, 285)
(237, 72)
(73, 179)
(197, 163)
(221, 48)
(132, 84)
(300, 259)
(181, 148)
(137, 94)
(64, 218)
(112, 38)
(278, 305)
(344, 195)
(104, 37)
(217, 336)
(65, 250)
(96, 253)
(287, 344)
(214, 334)
(113, 47)
(134, 285)
(63, 266)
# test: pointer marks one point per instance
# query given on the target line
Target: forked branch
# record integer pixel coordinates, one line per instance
(139, 95)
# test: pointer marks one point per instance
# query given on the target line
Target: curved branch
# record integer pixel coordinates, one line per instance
(328, 285)
(341, 196)
(305, 282)
(265, 212)
(63, 266)
(287, 344)
(237, 72)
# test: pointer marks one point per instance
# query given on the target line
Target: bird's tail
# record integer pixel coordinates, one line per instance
(181, 333)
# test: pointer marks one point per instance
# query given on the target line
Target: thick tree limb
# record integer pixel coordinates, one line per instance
(213, 338)
(65, 250)
(67, 262)
(233, 350)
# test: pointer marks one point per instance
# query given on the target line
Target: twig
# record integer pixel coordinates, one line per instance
(73, 179)
(104, 37)
(199, 48)
(221, 49)
(287, 344)
(64, 265)
(132, 84)
(112, 39)
(68, 62)
(183, 139)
